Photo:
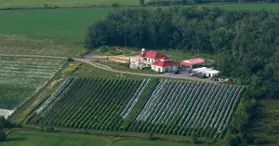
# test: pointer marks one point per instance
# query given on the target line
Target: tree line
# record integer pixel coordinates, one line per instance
(246, 43)
(192, 2)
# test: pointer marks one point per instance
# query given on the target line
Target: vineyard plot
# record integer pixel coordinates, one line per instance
(188, 108)
(90, 103)
(23, 77)
(166, 106)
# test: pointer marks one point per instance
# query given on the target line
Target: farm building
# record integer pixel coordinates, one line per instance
(189, 63)
(154, 60)
(164, 65)
(208, 72)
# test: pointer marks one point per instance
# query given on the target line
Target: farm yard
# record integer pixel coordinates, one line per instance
(22, 78)
(171, 109)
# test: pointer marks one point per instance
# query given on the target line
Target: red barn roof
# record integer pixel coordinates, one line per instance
(192, 61)
(164, 63)
(153, 55)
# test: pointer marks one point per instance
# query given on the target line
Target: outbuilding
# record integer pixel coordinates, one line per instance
(189, 63)
(164, 65)
(208, 72)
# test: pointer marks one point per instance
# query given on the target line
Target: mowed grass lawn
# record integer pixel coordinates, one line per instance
(30, 138)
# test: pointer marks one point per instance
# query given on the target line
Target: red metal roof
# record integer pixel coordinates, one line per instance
(192, 61)
(153, 55)
(164, 63)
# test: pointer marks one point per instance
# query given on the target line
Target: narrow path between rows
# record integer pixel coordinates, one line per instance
(88, 61)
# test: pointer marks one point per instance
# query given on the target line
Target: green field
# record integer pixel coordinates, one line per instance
(63, 3)
(28, 138)
(57, 23)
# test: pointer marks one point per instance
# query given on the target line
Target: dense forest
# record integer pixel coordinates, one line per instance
(246, 43)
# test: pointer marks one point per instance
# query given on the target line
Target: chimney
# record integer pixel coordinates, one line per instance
(142, 51)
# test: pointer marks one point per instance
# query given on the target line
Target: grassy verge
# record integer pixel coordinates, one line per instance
(32, 138)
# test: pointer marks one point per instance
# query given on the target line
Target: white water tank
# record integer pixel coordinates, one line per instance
(142, 50)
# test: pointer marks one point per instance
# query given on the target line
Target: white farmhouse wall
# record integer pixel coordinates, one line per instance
(164, 69)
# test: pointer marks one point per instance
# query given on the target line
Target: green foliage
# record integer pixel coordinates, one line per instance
(74, 68)
(49, 129)
(247, 114)
(141, 2)
(2, 126)
(260, 140)
(233, 140)
(70, 59)
(150, 136)
(2, 136)
(195, 140)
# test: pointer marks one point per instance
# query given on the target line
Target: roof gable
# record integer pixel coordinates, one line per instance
(153, 55)
(192, 61)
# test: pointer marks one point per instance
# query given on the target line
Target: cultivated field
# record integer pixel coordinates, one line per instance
(22, 78)
(164, 107)
(54, 23)
(29, 138)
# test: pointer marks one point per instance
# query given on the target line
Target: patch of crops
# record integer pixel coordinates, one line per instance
(165, 107)
(21, 78)
(90, 103)
(188, 108)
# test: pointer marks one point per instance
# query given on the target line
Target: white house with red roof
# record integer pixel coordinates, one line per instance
(156, 61)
